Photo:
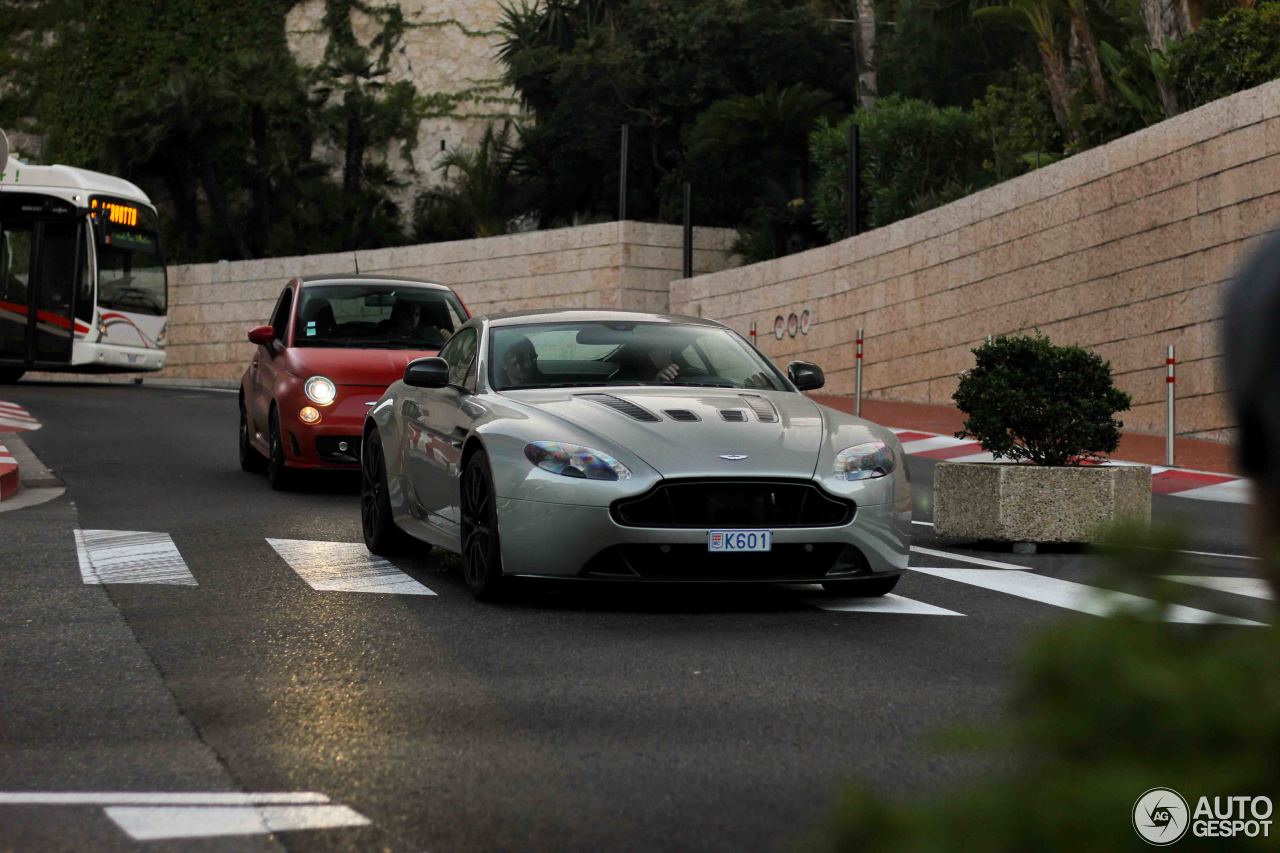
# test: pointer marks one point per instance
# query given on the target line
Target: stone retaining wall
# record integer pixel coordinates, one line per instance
(1124, 249)
(612, 265)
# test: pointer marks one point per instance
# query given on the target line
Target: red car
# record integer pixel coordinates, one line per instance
(332, 347)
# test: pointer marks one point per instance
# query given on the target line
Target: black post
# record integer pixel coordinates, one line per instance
(622, 175)
(688, 230)
(851, 195)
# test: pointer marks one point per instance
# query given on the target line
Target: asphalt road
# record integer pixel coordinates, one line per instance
(570, 718)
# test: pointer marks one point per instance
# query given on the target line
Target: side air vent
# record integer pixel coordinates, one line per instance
(735, 415)
(626, 407)
(765, 412)
(680, 414)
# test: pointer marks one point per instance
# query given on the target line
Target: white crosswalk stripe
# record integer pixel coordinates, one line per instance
(883, 604)
(344, 567)
(130, 556)
(154, 823)
(1071, 595)
(1252, 587)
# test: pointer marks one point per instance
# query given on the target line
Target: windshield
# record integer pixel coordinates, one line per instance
(131, 280)
(377, 315)
(557, 355)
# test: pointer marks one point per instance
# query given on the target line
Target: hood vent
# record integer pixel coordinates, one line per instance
(626, 407)
(680, 415)
(735, 415)
(765, 412)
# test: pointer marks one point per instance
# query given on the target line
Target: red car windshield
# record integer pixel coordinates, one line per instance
(381, 315)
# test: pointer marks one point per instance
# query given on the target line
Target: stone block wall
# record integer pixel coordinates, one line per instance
(1124, 249)
(626, 265)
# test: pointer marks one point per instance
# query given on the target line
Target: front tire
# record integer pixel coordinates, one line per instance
(381, 536)
(250, 459)
(868, 588)
(278, 475)
(481, 550)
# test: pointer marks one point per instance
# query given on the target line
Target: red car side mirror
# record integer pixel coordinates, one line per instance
(263, 336)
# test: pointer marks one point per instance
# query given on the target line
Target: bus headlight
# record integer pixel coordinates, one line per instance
(320, 390)
(864, 461)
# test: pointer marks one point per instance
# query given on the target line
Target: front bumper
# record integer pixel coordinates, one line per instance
(319, 446)
(558, 540)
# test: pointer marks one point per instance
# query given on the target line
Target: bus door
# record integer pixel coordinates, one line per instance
(42, 259)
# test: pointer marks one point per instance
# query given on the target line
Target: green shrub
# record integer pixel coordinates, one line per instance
(914, 156)
(1016, 124)
(1027, 399)
(1238, 51)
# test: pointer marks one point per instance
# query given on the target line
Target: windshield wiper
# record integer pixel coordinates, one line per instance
(722, 384)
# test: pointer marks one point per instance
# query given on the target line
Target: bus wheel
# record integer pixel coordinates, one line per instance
(9, 375)
(250, 458)
(277, 474)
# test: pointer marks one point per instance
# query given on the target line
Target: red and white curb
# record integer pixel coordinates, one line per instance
(9, 479)
(1181, 482)
(14, 418)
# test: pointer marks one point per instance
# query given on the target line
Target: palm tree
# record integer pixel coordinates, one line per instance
(479, 189)
(1039, 17)
(1088, 42)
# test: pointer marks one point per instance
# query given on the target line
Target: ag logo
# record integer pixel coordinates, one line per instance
(1160, 816)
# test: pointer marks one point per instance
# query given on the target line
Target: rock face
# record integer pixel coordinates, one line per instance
(448, 50)
(1030, 503)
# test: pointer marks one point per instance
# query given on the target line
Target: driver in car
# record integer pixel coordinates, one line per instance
(638, 363)
(520, 364)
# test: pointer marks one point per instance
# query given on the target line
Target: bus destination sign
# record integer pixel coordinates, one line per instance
(117, 213)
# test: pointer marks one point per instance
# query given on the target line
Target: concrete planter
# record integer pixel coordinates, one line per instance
(1031, 503)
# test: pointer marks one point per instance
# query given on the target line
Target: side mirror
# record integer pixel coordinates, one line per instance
(263, 336)
(427, 373)
(806, 376)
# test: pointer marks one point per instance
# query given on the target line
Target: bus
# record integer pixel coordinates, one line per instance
(83, 286)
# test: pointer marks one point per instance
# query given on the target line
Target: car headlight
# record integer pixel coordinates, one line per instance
(864, 461)
(573, 460)
(320, 390)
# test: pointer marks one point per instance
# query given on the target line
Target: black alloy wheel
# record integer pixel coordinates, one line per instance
(250, 459)
(481, 552)
(381, 536)
(279, 476)
(868, 588)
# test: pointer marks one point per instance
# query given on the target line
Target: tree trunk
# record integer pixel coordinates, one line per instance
(218, 205)
(1055, 74)
(865, 41)
(1089, 49)
(260, 208)
(353, 162)
(1167, 22)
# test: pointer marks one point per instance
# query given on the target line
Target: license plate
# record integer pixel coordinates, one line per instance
(739, 540)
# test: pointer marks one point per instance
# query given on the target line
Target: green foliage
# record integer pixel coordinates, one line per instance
(476, 200)
(1014, 118)
(1027, 399)
(586, 67)
(1227, 55)
(914, 156)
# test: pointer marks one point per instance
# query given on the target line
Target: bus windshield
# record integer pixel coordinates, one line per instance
(130, 280)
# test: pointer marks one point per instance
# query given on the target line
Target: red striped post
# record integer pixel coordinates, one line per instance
(1169, 380)
(753, 332)
(857, 375)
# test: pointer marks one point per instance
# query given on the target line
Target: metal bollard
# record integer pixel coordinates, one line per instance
(990, 339)
(1170, 379)
(753, 333)
(857, 376)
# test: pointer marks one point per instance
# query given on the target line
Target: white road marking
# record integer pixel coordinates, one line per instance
(1235, 491)
(977, 561)
(1071, 595)
(883, 604)
(1252, 587)
(130, 556)
(344, 567)
(151, 823)
(975, 457)
(158, 798)
(1210, 554)
(923, 523)
(938, 442)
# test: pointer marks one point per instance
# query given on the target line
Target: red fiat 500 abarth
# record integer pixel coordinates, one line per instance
(332, 347)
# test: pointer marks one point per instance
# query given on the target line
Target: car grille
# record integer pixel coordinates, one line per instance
(786, 562)
(733, 503)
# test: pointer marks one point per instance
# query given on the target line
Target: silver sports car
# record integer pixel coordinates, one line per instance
(630, 447)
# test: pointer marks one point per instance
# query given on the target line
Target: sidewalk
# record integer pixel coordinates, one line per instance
(1189, 453)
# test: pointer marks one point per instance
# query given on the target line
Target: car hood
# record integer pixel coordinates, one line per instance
(378, 367)
(788, 446)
